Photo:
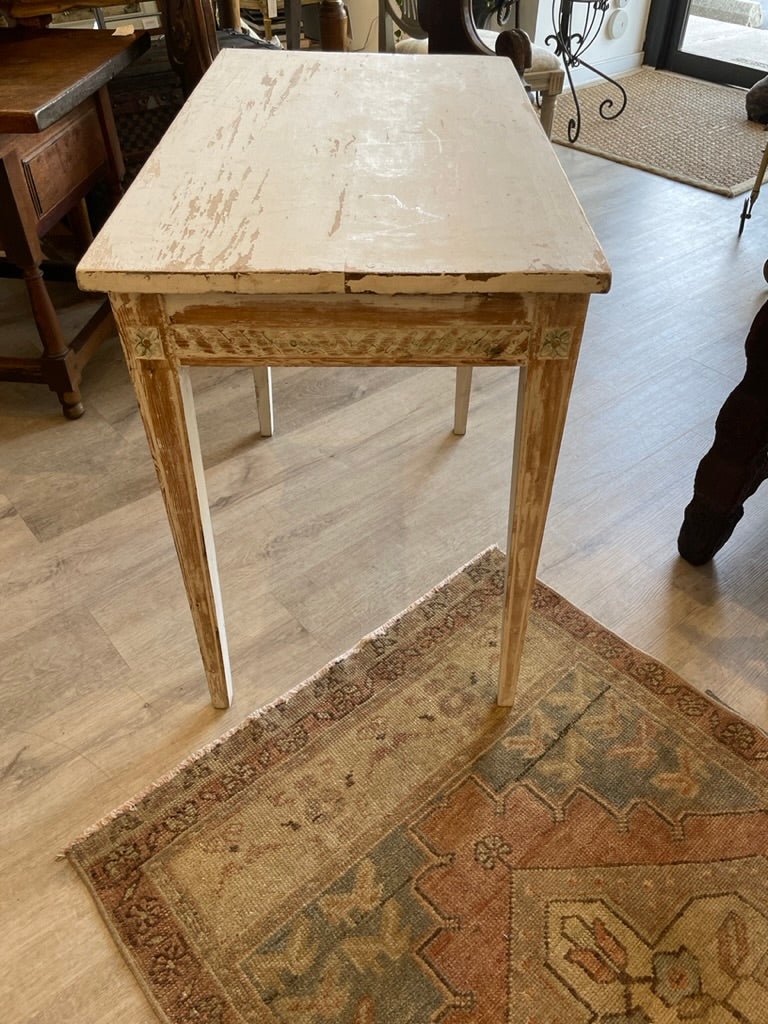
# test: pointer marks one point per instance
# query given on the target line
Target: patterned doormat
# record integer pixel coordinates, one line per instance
(385, 846)
(675, 126)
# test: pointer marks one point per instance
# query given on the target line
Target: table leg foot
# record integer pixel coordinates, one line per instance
(72, 410)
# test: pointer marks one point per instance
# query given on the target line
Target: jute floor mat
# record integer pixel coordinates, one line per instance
(675, 126)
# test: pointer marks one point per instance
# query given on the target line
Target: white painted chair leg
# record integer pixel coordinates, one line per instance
(461, 405)
(262, 380)
(547, 115)
(549, 84)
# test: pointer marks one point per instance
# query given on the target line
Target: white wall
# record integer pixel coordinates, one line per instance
(362, 13)
(611, 55)
(614, 55)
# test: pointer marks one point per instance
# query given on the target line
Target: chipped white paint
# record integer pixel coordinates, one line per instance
(356, 308)
(347, 209)
(344, 165)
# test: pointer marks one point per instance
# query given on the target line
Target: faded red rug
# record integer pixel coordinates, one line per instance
(385, 846)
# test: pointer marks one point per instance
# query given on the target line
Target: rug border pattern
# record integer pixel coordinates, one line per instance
(743, 740)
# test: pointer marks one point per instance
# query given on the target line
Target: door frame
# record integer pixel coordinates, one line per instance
(664, 33)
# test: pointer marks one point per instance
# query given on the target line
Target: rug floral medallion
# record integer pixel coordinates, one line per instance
(386, 846)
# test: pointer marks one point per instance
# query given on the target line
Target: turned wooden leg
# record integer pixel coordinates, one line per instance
(18, 224)
(262, 382)
(461, 403)
(80, 224)
(116, 165)
(737, 462)
(55, 360)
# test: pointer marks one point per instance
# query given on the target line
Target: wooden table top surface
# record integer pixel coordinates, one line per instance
(45, 73)
(333, 172)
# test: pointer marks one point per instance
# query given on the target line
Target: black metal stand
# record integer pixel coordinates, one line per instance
(749, 202)
(570, 43)
(494, 14)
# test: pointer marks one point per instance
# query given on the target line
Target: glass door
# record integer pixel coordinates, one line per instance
(719, 40)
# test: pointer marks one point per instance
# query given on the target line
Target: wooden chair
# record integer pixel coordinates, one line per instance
(194, 35)
(448, 26)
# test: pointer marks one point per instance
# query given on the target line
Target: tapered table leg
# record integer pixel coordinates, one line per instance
(461, 402)
(262, 382)
(544, 389)
(164, 394)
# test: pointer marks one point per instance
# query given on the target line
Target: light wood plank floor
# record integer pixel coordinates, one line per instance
(361, 502)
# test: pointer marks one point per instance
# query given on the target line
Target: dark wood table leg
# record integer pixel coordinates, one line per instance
(115, 162)
(229, 13)
(22, 247)
(293, 24)
(80, 225)
(737, 462)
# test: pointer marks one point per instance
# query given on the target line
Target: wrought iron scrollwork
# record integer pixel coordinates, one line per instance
(495, 14)
(571, 40)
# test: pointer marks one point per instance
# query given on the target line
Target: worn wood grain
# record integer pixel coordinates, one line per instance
(166, 402)
(542, 404)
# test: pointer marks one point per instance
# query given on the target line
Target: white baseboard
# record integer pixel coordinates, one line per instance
(613, 66)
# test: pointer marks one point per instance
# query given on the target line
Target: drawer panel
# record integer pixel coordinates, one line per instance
(63, 157)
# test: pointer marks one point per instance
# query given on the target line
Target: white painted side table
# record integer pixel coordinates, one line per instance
(350, 209)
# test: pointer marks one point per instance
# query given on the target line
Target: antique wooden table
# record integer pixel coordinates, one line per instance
(57, 140)
(318, 209)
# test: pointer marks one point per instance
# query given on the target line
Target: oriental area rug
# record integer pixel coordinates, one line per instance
(384, 845)
(679, 127)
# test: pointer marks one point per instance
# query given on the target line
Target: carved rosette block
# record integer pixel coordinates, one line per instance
(144, 342)
(555, 343)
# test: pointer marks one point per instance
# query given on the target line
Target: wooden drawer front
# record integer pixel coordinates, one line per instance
(64, 156)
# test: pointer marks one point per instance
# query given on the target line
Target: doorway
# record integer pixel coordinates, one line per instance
(718, 40)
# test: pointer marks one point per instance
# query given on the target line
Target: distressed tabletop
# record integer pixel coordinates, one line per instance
(350, 209)
(350, 172)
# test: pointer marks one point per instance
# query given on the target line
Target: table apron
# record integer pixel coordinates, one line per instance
(344, 329)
